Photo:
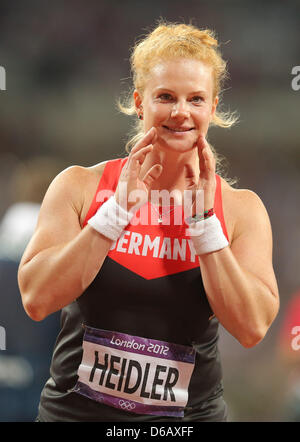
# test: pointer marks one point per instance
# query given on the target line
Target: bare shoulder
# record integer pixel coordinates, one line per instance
(241, 199)
(75, 180)
(86, 180)
(240, 207)
(81, 174)
(75, 187)
(97, 169)
(63, 208)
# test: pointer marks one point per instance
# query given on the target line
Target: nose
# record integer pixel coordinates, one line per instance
(180, 110)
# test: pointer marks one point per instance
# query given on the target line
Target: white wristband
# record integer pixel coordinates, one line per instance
(207, 235)
(110, 219)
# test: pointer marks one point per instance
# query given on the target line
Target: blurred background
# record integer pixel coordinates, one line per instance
(66, 65)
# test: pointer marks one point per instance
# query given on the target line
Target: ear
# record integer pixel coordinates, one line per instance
(137, 100)
(214, 107)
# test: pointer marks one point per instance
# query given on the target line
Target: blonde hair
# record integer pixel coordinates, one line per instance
(169, 41)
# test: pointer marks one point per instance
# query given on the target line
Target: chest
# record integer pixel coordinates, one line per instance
(173, 307)
(89, 194)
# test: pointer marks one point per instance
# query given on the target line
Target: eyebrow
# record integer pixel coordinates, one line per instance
(170, 90)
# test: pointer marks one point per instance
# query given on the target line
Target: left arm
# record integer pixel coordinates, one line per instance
(239, 280)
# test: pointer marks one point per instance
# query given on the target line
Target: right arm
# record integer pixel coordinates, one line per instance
(62, 259)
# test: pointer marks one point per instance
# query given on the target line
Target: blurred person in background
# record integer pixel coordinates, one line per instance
(141, 294)
(29, 182)
(289, 355)
(24, 361)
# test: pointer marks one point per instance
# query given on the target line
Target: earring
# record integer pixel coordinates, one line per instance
(140, 117)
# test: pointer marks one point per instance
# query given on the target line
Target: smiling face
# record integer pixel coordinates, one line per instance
(178, 101)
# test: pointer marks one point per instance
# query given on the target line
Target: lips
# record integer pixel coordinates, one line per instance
(178, 129)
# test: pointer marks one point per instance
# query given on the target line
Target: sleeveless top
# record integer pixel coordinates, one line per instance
(140, 343)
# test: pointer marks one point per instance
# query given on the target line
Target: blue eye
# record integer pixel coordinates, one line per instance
(197, 99)
(165, 96)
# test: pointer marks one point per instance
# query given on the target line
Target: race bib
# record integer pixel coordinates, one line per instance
(135, 374)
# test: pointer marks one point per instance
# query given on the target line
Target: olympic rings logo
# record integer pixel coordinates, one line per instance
(126, 405)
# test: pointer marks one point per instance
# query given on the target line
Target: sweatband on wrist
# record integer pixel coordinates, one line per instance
(110, 219)
(207, 235)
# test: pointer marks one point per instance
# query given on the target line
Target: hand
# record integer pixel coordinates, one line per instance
(206, 180)
(131, 186)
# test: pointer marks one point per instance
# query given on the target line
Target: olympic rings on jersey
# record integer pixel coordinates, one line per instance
(126, 405)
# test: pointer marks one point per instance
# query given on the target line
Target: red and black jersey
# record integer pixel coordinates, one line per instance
(150, 287)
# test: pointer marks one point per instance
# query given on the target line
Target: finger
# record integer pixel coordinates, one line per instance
(148, 138)
(152, 174)
(201, 142)
(209, 156)
(190, 175)
(207, 160)
(140, 155)
(201, 145)
(138, 158)
(189, 172)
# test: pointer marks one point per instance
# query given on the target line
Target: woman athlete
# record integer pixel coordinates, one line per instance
(142, 293)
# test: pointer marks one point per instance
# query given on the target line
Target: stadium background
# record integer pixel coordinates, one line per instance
(66, 65)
